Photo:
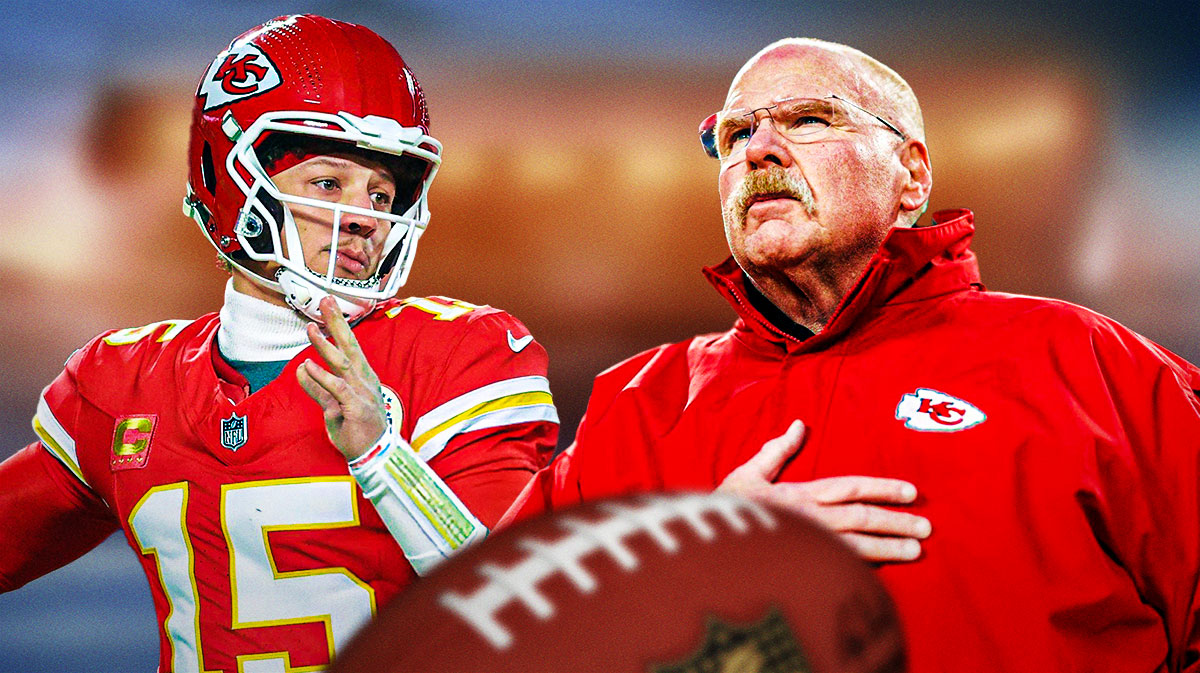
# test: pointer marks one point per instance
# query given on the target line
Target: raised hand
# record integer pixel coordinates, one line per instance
(348, 392)
(850, 506)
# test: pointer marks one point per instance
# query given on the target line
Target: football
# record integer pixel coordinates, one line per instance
(652, 584)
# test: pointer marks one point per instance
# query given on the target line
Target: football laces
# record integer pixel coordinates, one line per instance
(608, 536)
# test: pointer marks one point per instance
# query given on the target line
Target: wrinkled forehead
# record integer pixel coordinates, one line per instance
(805, 71)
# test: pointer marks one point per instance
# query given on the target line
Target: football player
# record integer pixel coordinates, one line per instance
(283, 467)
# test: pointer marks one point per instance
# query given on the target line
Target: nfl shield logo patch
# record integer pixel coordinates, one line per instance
(233, 432)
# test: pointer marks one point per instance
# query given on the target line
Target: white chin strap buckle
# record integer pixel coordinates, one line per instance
(305, 296)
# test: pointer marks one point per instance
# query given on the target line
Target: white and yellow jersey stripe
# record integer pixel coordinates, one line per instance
(55, 438)
(524, 399)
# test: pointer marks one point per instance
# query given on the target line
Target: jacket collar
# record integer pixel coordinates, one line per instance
(911, 264)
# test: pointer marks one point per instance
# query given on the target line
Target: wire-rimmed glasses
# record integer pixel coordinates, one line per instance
(727, 132)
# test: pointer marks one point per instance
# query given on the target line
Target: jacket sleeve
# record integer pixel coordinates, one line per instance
(555, 486)
(1146, 508)
(613, 449)
(48, 518)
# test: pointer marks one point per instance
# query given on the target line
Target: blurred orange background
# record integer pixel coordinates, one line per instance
(574, 192)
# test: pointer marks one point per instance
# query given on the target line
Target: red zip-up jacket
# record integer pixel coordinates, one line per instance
(1056, 453)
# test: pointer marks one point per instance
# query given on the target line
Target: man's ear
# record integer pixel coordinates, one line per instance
(915, 158)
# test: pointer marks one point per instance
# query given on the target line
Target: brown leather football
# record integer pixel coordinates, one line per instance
(646, 584)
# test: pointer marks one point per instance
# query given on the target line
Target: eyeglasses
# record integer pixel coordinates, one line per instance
(803, 120)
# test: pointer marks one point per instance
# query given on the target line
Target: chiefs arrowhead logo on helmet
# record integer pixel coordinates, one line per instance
(930, 410)
(239, 72)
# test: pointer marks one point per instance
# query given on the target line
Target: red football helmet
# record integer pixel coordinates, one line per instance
(307, 79)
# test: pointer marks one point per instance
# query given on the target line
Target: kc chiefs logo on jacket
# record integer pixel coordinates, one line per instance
(930, 410)
(239, 72)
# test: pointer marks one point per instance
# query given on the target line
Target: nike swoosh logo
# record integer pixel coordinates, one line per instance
(518, 345)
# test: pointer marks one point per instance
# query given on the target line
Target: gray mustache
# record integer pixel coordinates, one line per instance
(771, 180)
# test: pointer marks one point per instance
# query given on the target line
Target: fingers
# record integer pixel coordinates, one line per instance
(340, 330)
(861, 489)
(854, 516)
(876, 533)
(882, 549)
(349, 391)
(327, 389)
(330, 353)
(848, 506)
(312, 388)
(771, 457)
(343, 354)
(873, 519)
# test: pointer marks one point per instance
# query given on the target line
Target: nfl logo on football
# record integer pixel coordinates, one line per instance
(233, 432)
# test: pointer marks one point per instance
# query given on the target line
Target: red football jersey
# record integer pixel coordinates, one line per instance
(261, 552)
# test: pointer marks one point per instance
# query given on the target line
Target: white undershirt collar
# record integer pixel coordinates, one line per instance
(254, 330)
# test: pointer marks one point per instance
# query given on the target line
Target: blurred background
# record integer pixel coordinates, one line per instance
(574, 192)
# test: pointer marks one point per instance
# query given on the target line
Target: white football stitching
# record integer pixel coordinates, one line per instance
(519, 581)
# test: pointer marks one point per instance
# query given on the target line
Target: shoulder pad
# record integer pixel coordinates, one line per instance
(130, 349)
(433, 308)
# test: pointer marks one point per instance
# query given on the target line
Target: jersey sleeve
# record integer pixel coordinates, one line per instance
(1145, 506)
(58, 409)
(491, 422)
(49, 517)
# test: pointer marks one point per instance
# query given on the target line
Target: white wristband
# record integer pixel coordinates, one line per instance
(424, 516)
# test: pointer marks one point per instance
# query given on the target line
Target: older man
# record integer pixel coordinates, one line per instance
(1056, 452)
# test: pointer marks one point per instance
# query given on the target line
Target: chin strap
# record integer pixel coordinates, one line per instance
(305, 296)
